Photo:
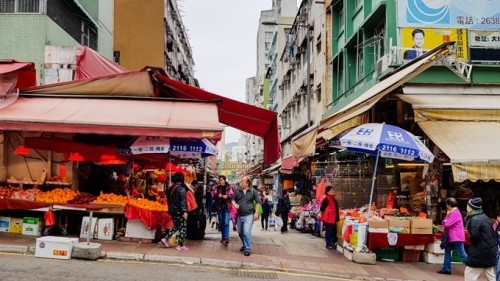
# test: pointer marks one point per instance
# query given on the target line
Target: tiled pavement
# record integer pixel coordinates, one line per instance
(294, 251)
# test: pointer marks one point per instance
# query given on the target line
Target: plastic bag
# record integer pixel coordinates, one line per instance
(191, 201)
(50, 219)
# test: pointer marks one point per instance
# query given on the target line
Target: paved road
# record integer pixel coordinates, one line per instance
(15, 267)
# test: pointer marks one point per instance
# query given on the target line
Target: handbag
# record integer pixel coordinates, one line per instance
(445, 239)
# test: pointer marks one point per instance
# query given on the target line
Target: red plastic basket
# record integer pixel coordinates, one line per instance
(411, 255)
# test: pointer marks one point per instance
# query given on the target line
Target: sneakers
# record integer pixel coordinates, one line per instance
(181, 248)
(164, 241)
(234, 228)
(242, 249)
(443, 272)
(246, 253)
(329, 247)
(226, 242)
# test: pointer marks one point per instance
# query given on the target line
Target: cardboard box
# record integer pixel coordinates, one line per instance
(4, 224)
(421, 226)
(421, 231)
(394, 222)
(16, 225)
(421, 223)
(84, 230)
(32, 226)
(136, 229)
(105, 229)
(378, 224)
(54, 247)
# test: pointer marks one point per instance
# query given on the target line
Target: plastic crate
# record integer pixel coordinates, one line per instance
(411, 255)
(387, 254)
(455, 257)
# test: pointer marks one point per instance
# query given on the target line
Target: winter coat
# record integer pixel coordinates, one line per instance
(223, 190)
(284, 205)
(329, 210)
(176, 199)
(483, 241)
(454, 225)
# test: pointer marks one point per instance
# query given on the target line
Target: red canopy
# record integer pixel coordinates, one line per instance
(26, 73)
(92, 64)
(248, 118)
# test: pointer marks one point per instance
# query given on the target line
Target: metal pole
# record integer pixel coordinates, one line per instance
(373, 184)
(203, 211)
(308, 78)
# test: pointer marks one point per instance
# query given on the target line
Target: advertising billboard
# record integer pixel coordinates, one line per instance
(415, 41)
(469, 14)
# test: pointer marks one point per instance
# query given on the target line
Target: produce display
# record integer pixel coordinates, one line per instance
(110, 198)
(56, 196)
(83, 198)
(19, 193)
(148, 205)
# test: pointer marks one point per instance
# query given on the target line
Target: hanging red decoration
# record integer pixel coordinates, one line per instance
(76, 157)
(21, 150)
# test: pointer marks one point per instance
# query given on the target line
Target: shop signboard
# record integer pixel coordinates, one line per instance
(470, 14)
(484, 46)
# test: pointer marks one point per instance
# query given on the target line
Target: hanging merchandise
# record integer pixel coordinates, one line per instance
(320, 189)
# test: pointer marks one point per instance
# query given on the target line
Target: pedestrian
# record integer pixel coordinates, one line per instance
(209, 203)
(266, 211)
(177, 208)
(329, 215)
(496, 227)
(483, 243)
(247, 203)
(223, 194)
(454, 227)
(282, 210)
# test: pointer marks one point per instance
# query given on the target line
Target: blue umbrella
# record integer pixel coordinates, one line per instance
(385, 140)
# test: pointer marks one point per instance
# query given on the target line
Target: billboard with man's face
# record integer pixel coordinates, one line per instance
(413, 38)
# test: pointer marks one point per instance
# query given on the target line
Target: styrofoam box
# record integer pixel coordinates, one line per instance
(136, 229)
(415, 247)
(433, 258)
(53, 247)
(434, 247)
(84, 231)
(4, 224)
(105, 229)
(348, 254)
(32, 226)
(340, 249)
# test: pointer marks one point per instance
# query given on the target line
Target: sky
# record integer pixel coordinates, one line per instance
(223, 36)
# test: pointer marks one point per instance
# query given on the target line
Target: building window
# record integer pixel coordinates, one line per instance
(360, 63)
(85, 34)
(20, 6)
(268, 44)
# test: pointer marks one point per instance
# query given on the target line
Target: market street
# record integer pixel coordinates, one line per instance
(14, 267)
(296, 252)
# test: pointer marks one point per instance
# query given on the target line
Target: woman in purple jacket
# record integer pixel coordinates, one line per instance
(454, 226)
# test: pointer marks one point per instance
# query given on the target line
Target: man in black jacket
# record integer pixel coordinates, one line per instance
(483, 243)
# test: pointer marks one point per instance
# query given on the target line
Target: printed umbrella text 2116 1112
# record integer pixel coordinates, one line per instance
(388, 141)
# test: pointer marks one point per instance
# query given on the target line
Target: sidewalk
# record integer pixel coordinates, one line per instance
(294, 252)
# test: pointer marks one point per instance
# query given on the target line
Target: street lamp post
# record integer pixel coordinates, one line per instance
(308, 61)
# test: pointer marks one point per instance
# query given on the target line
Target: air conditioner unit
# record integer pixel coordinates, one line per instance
(383, 63)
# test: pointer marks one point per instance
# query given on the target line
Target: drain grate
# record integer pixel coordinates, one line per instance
(255, 274)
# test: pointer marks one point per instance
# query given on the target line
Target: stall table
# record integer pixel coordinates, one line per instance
(380, 240)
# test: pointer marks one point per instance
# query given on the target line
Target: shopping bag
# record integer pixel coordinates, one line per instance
(279, 222)
(191, 201)
(50, 220)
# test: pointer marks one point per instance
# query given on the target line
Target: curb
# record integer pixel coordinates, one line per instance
(14, 249)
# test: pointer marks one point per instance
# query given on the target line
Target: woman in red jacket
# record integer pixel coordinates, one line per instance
(329, 215)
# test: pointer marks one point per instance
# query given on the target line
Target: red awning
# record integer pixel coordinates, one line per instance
(90, 63)
(26, 72)
(290, 162)
(112, 116)
(239, 115)
(248, 118)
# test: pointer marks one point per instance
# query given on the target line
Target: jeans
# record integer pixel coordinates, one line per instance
(459, 247)
(224, 222)
(264, 221)
(245, 224)
(330, 234)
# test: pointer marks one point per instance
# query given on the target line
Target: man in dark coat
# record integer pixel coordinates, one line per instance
(483, 243)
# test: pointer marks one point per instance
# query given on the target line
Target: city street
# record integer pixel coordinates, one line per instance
(14, 267)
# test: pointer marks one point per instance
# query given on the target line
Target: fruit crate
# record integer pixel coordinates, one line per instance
(387, 254)
(455, 257)
(411, 255)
